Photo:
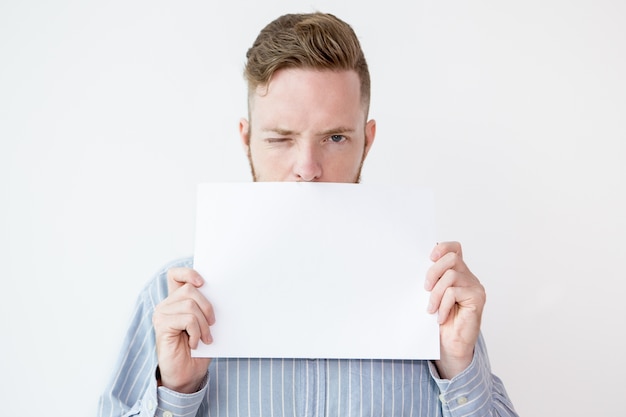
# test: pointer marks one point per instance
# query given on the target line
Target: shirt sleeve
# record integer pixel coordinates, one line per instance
(132, 389)
(475, 391)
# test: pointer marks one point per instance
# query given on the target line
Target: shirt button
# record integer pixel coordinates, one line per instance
(461, 400)
(150, 405)
(167, 414)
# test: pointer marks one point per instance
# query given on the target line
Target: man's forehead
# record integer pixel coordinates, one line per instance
(297, 75)
(296, 83)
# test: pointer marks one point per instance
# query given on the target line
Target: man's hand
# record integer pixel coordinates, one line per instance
(180, 322)
(459, 298)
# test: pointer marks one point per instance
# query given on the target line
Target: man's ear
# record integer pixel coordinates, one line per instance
(370, 134)
(244, 134)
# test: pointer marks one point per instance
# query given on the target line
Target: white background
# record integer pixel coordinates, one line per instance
(111, 113)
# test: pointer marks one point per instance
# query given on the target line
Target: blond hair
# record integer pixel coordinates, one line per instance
(317, 41)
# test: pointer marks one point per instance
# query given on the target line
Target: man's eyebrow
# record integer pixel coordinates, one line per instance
(336, 130)
(289, 132)
(279, 131)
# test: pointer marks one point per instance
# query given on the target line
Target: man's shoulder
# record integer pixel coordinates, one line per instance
(186, 262)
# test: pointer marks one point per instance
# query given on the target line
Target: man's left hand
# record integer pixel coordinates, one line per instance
(458, 297)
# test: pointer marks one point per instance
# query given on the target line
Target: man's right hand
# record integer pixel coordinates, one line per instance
(180, 322)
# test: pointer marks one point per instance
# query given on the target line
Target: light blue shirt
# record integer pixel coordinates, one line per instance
(295, 387)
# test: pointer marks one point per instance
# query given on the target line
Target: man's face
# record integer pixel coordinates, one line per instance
(308, 125)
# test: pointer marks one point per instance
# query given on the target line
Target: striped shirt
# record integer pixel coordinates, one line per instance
(294, 387)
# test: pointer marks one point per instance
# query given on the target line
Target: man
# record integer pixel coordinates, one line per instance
(308, 101)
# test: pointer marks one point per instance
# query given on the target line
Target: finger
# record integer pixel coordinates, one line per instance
(448, 302)
(451, 260)
(445, 247)
(468, 299)
(193, 328)
(189, 292)
(448, 280)
(185, 325)
(183, 315)
(177, 277)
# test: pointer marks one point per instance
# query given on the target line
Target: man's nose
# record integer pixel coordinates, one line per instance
(308, 164)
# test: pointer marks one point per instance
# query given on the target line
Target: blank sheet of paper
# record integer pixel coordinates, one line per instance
(312, 270)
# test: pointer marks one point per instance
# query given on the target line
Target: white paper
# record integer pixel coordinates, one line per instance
(311, 270)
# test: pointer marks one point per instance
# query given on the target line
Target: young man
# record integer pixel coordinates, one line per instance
(308, 100)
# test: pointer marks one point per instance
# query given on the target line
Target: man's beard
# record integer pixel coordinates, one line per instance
(356, 180)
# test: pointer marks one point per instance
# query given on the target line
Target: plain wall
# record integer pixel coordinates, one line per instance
(112, 112)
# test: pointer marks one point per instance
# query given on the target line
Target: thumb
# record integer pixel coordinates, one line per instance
(177, 277)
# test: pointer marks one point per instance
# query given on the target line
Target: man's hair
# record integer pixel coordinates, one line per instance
(316, 41)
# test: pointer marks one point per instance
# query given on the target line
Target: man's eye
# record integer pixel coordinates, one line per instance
(337, 138)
